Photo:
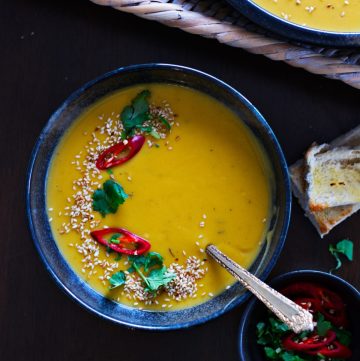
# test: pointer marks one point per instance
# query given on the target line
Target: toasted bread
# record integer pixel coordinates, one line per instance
(327, 219)
(332, 176)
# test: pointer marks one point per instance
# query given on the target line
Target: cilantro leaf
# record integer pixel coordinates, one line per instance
(117, 279)
(278, 326)
(322, 325)
(157, 278)
(344, 247)
(108, 199)
(343, 336)
(153, 259)
(137, 113)
(270, 353)
(153, 278)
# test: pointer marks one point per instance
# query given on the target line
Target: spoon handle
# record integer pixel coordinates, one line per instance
(294, 316)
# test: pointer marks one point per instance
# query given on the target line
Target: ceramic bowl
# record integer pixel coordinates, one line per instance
(256, 311)
(293, 31)
(57, 125)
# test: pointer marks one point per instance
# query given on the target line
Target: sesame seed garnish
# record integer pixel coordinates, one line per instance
(204, 216)
(50, 209)
(197, 243)
(202, 224)
(50, 219)
(210, 294)
(201, 250)
(129, 178)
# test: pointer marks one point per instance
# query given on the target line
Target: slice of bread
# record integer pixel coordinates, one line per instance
(332, 176)
(327, 219)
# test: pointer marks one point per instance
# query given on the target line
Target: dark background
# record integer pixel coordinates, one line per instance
(49, 49)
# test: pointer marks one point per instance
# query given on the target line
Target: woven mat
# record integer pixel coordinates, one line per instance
(217, 20)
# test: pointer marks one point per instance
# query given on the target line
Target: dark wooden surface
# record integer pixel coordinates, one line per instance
(50, 48)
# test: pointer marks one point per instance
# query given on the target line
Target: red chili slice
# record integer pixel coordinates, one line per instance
(331, 305)
(312, 342)
(108, 158)
(141, 244)
(334, 350)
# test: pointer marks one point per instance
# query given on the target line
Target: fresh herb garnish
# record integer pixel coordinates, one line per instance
(108, 199)
(136, 114)
(322, 326)
(344, 247)
(117, 279)
(151, 269)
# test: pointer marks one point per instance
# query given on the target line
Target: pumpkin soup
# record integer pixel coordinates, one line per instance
(330, 15)
(143, 181)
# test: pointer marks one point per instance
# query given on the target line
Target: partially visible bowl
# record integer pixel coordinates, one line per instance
(294, 31)
(255, 311)
(44, 241)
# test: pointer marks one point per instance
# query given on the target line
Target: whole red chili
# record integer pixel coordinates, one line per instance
(310, 343)
(109, 157)
(141, 245)
(334, 350)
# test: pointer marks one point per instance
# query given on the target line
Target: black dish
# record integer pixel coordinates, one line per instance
(256, 311)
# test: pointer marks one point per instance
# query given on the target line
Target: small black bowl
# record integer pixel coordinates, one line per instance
(256, 311)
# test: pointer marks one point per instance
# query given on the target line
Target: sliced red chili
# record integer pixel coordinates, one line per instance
(334, 350)
(331, 305)
(141, 245)
(312, 342)
(130, 147)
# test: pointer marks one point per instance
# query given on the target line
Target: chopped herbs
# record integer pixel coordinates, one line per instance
(115, 238)
(117, 279)
(344, 247)
(108, 199)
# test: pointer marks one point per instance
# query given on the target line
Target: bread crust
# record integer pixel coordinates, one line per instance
(323, 218)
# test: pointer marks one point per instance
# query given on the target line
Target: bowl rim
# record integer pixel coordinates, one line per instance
(274, 282)
(290, 30)
(239, 97)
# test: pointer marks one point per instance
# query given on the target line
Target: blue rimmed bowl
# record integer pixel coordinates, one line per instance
(255, 311)
(41, 157)
(290, 30)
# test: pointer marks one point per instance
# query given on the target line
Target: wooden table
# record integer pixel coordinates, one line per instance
(49, 49)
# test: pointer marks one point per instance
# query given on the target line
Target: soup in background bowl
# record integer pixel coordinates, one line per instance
(208, 170)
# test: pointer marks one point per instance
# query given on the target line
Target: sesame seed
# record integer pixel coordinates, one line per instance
(50, 209)
(129, 178)
(210, 294)
(202, 224)
(50, 219)
(197, 243)
(204, 216)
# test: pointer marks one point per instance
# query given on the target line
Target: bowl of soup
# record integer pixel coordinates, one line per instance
(327, 23)
(135, 174)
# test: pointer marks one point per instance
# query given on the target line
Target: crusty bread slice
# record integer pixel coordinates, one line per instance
(332, 176)
(326, 219)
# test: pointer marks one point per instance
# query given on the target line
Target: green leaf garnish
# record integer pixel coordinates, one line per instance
(322, 325)
(151, 269)
(137, 113)
(344, 247)
(117, 279)
(108, 199)
(158, 278)
(343, 336)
